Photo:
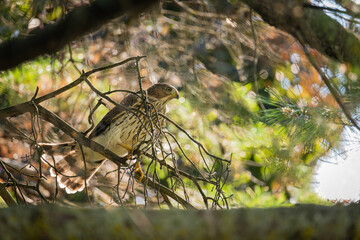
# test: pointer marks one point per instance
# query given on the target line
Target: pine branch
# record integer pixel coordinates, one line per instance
(327, 82)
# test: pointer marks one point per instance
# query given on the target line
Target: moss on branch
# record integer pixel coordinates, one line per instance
(302, 222)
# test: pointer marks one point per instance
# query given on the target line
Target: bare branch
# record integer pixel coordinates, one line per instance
(148, 148)
(168, 192)
(8, 199)
(28, 106)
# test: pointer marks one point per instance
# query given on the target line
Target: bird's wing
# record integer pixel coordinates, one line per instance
(127, 102)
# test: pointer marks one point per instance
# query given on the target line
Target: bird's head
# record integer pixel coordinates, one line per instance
(162, 92)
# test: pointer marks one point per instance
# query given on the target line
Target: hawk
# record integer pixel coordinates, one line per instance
(122, 130)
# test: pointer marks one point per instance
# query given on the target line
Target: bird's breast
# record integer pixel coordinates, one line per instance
(131, 129)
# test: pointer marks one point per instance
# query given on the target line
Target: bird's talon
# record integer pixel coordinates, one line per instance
(139, 172)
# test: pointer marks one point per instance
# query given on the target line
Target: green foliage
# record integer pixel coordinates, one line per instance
(304, 125)
(12, 19)
(16, 16)
(262, 154)
(19, 84)
(2, 203)
(261, 197)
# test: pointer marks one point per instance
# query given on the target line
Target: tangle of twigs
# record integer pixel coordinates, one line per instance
(164, 182)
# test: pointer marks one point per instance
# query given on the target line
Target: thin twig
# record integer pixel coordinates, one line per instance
(85, 175)
(13, 180)
(27, 106)
(168, 192)
(256, 58)
(193, 140)
(151, 122)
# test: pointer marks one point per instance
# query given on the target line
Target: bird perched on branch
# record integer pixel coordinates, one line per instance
(122, 130)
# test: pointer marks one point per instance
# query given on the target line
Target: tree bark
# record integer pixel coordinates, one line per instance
(317, 29)
(75, 24)
(302, 222)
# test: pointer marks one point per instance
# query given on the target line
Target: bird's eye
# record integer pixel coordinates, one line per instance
(168, 89)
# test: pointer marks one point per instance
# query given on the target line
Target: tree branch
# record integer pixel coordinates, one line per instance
(75, 24)
(29, 105)
(120, 161)
(79, 137)
(328, 84)
(168, 192)
(6, 196)
(320, 31)
(300, 222)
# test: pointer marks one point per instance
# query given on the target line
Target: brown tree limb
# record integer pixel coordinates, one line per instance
(5, 195)
(79, 137)
(78, 22)
(167, 191)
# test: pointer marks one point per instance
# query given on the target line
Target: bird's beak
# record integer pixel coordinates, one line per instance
(176, 95)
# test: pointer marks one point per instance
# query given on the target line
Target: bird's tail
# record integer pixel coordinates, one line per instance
(70, 169)
(56, 149)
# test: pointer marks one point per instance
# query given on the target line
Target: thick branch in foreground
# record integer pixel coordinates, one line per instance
(318, 30)
(303, 222)
(77, 23)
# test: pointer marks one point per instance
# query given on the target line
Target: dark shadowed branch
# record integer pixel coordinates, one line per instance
(79, 137)
(78, 22)
(6, 196)
(302, 222)
(319, 30)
